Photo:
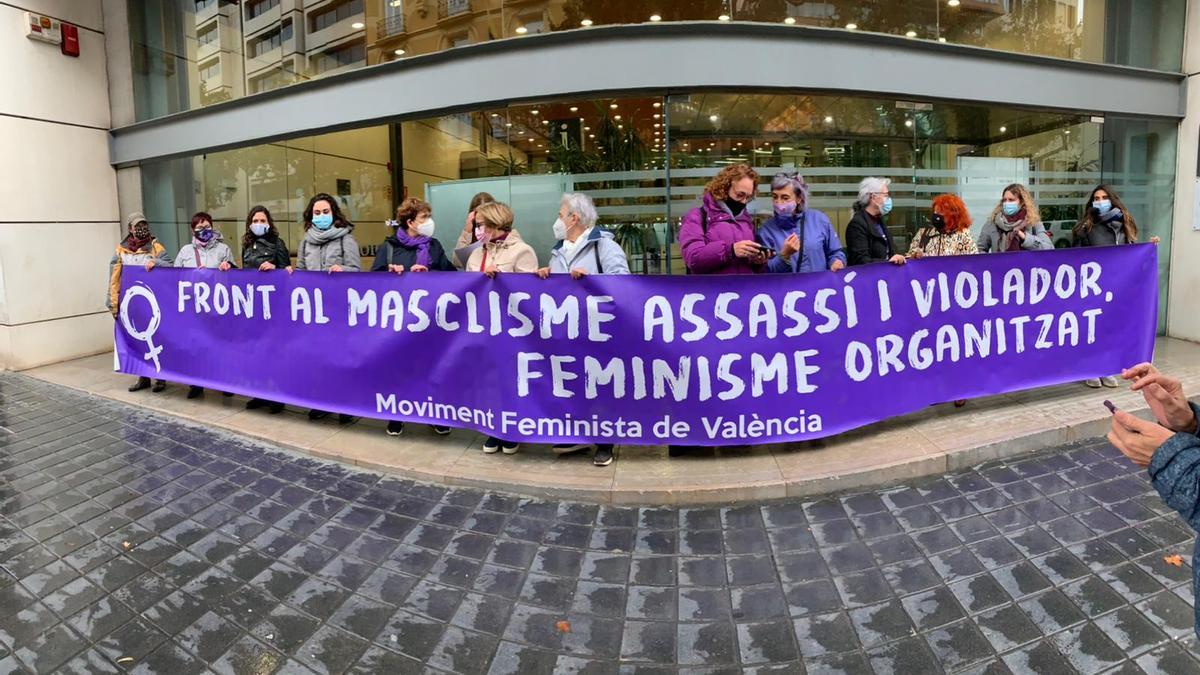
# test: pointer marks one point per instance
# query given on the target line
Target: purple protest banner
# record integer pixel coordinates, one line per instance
(707, 360)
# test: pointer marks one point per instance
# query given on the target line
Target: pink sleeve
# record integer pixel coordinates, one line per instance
(699, 254)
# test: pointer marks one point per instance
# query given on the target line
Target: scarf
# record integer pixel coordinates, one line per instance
(321, 237)
(1007, 225)
(569, 247)
(133, 244)
(1115, 220)
(418, 242)
(789, 223)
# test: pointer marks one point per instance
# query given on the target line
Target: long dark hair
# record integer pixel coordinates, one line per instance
(338, 219)
(1088, 221)
(248, 238)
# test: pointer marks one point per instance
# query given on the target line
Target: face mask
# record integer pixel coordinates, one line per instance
(141, 232)
(1102, 206)
(259, 229)
(938, 222)
(785, 209)
(425, 229)
(1011, 208)
(735, 207)
(886, 207)
(560, 229)
(478, 233)
(204, 236)
(323, 221)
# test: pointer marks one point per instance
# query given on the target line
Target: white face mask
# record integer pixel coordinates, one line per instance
(560, 229)
(425, 229)
(259, 229)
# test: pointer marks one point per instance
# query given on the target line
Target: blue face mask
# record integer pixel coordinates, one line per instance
(886, 208)
(205, 235)
(1103, 206)
(1011, 208)
(323, 221)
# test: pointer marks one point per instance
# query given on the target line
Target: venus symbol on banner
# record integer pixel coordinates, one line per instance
(140, 290)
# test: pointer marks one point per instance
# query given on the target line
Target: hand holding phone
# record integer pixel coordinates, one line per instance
(1111, 407)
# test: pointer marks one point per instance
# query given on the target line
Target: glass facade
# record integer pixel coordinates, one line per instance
(645, 161)
(188, 53)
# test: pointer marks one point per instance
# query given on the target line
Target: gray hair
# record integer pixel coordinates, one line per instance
(871, 186)
(794, 181)
(581, 205)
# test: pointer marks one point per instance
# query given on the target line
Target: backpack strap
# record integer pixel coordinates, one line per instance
(596, 252)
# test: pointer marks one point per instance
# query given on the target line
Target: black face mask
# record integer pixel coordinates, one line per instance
(938, 222)
(735, 207)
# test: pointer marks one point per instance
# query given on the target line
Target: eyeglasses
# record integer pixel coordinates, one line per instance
(742, 196)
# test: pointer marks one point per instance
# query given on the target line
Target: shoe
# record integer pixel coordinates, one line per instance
(1094, 383)
(142, 383)
(960, 403)
(227, 394)
(256, 403)
(603, 456)
(1110, 382)
(315, 414)
(441, 431)
(679, 450)
(275, 408)
(509, 447)
(195, 392)
(491, 446)
(344, 419)
(566, 448)
(395, 428)
(159, 386)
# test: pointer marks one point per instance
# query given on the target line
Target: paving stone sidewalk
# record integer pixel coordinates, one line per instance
(132, 541)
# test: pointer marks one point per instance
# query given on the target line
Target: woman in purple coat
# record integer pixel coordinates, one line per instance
(718, 236)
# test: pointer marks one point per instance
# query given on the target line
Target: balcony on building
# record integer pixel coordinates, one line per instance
(452, 9)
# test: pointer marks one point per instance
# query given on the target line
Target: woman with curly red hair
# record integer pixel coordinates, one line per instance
(948, 232)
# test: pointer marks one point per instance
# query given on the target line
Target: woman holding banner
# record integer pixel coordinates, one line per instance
(412, 248)
(263, 250)
(1015, 224)
(502, 250)
(468, 239)
(1105, 222)
(327, 246)
(206, 251)
(803, 237)
(582, 250)
(139, 247)
(867, 237)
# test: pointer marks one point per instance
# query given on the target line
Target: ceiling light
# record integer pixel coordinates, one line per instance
(658, 133)
(612, 106)
(655, 17)
(545, 121)
(941, 39)
(1067, 132)
(399, 52)
(397, 3)
(620, 126)
(908, 123)
(911, 34)
(723, 17)
(785, 148)
(521, 30)
(713, 118)
(952, 3)
(357, 25)
(790, 20)
(508, 124)
(616, 117)
(574, 108)
(852, 26)
(591, 135)
(828, 119)
(1003, 129)
(657, 125)
(521, 132)
(535, 111)
(587, 128)
(585, 23)
(657, 116)
(657, 104)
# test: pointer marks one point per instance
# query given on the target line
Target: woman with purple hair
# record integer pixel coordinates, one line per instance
(802, 238)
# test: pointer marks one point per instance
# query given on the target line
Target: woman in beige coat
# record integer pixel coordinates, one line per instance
(503, 250)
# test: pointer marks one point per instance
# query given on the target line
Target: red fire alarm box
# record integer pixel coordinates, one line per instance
(70, 39)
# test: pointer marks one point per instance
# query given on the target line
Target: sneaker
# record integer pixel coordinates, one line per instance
(256, 403)
(159, 386)
(603, 456)
(441, 431)
(395, 428)
(509, 447)
(491, 446)
(315, 414)
(227, 394)
(1094, 383)
(1110, 382)
(195, 392)
(565, 448)
(142, 383)
(344, 419)
(275, 408)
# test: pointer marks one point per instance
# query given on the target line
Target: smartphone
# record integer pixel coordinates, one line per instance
(767, 251)
(1111, 408)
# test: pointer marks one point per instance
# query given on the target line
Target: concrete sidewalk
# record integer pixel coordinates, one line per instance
(934, 441)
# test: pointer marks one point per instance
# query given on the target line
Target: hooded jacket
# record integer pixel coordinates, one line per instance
(707, 235)
(598, 254)
(510, 254)
(126, 255)
(199, 256)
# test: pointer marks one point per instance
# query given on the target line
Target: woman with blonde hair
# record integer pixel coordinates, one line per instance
(717, 237)
(1015, 224)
